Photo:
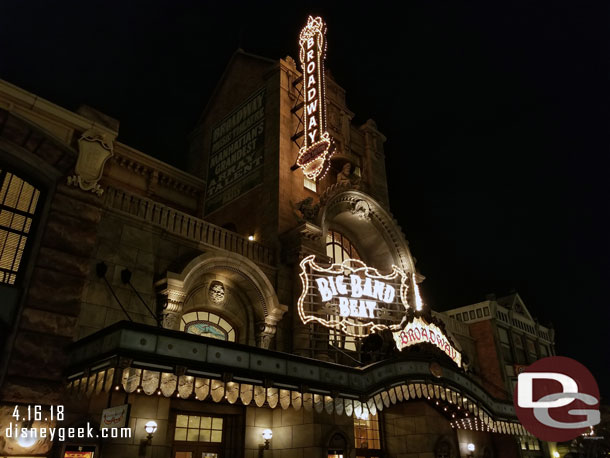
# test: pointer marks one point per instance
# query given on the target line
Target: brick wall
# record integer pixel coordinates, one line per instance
(488, 355)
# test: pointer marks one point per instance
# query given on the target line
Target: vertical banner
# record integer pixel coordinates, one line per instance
(315, 153)
(236, 153)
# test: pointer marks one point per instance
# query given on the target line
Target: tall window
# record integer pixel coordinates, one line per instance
(207, 324)
(18, 201)
(366, 436)
(339, 248)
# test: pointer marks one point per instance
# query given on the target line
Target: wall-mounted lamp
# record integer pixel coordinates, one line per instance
(267, 435)
(150, 427)
(470, 447)
(251, 238)
(29, 439)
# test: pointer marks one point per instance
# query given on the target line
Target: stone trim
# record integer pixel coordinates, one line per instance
(185, 225)
(363, 206)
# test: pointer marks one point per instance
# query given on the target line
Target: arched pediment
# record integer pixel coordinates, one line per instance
(371, 227)
(244, 277)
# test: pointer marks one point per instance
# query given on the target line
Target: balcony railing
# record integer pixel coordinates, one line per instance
(187, 226)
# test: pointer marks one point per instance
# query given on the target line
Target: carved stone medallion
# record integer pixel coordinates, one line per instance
(216, 293)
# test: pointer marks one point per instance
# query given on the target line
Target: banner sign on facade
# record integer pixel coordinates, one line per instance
(236, 153)
(418, 331)
(352, 297)
(315, 153)
(115, 417)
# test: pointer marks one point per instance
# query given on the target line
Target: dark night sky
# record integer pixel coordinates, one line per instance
(496, 115)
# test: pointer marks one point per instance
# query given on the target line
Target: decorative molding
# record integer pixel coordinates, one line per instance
(155, 176)
(340, 199)
(361, 209)
(308, 211)
(185, 225)
(94, 149)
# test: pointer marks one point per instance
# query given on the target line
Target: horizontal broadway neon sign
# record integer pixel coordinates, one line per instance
(418, 331)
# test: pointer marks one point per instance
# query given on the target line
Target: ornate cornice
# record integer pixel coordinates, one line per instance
(157, 172)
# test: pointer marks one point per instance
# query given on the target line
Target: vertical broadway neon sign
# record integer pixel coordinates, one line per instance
(314, 155)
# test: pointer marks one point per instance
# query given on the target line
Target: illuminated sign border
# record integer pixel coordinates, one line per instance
(430, 329)
(343, 268)
(314, 155)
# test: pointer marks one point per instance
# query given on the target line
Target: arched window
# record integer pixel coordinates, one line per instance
(18, 201)
(207, 324)
(339, 248)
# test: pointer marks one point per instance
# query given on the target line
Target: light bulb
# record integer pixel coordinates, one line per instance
(151, 427)
(27, 437)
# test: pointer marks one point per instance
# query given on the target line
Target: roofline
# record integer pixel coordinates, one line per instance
(238, 51)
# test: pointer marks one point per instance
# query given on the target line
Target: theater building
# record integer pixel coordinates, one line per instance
(507, 339)
(263, 304)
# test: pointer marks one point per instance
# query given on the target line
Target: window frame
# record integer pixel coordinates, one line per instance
(369, 452)
(184, 324)
(32, 236)
(197, 442)
(345, 245)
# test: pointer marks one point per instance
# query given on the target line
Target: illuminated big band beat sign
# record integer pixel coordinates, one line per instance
(358, 300)
(314, 155)
(352, 297)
